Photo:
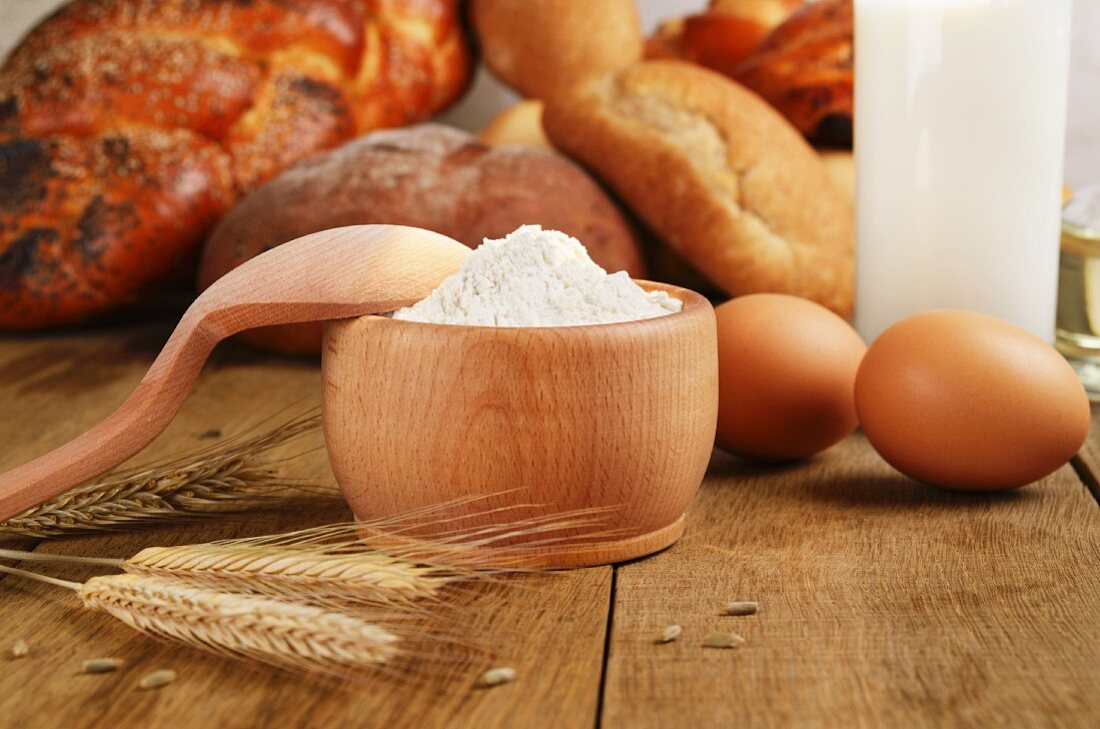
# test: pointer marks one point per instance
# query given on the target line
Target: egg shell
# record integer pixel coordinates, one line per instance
(967, 401)
(786, 373)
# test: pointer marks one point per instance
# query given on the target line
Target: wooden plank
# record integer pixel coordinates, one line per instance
(551, 628)
(883, 603)
(1087, 462)
(552, 636)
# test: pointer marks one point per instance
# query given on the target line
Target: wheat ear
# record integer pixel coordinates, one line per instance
(274, 570)
(337, 564)
(317, 578)
(232, 476)
(279, 633)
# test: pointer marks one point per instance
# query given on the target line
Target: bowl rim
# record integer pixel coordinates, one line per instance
(693, 302)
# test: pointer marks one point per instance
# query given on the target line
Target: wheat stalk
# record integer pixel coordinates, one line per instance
(337, 564)
(279, 633)
(273, 570)
(230, 477)
(283, 599)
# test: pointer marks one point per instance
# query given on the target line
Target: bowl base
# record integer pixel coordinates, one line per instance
(560, 557)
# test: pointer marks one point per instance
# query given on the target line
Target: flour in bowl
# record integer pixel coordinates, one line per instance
(537, 278)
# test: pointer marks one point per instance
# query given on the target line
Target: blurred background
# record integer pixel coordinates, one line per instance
(487, 97)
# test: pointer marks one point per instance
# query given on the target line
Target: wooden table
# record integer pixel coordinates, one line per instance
(883, 602)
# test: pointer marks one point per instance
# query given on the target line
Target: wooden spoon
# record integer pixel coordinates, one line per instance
(334, 274)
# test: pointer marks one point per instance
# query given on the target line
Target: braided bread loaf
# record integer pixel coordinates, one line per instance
(127, 127)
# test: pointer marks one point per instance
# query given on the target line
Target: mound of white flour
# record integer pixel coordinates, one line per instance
(536, 278)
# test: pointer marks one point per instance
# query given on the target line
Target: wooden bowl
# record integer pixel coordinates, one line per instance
(542, 421)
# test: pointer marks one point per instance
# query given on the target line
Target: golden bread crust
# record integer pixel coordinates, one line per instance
(208, 99)
(718, 173)
(805, 68)
(518, 125)
(539, 47)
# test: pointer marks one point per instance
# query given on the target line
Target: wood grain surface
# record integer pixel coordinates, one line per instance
(1087, 463)
(883, 602)
(551, 628)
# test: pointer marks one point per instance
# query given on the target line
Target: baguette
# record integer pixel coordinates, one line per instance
(718, 174)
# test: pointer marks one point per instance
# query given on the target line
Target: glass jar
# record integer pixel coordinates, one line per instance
(1078, 332)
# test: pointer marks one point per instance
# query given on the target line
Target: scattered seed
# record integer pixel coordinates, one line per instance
(19, 648)
(102, 665)
(742, 608)
(156, 679)
(723, 640)
(670, 633)
(497, 676)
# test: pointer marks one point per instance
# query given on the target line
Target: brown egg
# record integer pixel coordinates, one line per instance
(786, 371)
(970, 402)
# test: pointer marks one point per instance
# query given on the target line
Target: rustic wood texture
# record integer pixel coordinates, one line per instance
(554, 420)
(1087, 462)
(883, 603)
(333, 274)
(551, 628)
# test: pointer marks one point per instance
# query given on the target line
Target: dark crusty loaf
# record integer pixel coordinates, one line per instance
(718, 173)
(430, 176)
(128, 126)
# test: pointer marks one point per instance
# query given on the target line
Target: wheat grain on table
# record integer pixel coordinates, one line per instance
(52, 388)
(881, 602)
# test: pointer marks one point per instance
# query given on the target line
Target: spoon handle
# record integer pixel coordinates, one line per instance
(140, 418)
(374, 269)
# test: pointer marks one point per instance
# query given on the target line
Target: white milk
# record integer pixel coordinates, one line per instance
(960, 136)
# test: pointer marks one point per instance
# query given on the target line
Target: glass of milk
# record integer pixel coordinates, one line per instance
(960, 139)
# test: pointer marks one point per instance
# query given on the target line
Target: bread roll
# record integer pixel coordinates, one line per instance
(541, 46)
(768, 13)
(666, 43)
(519, 125)
(430, 176)
(805, 69)
(841, 166)
(718, 174)
(723, 36)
